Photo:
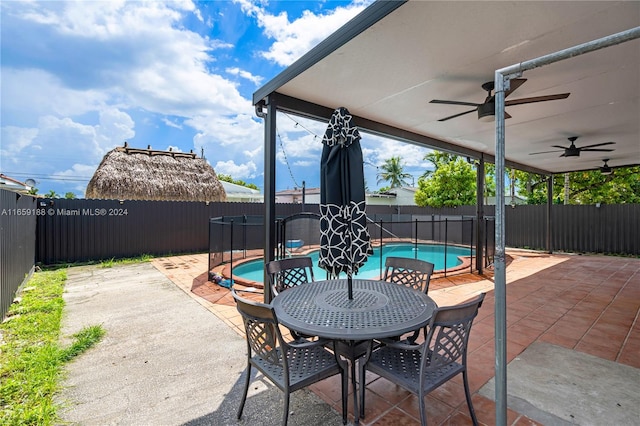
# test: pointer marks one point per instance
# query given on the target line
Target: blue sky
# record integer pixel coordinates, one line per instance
(80, 78)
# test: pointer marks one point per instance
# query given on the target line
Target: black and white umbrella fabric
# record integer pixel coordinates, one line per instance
(344, 238)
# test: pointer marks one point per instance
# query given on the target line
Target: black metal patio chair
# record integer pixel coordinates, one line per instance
(421, 368)
(289, 366)
(289, 272)
(413, 273)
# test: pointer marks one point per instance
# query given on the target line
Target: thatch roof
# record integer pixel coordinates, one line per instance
(145, 174)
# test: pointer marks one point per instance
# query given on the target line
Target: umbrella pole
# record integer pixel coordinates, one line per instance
(350, 285)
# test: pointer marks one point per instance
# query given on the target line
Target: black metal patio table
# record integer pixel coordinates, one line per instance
(378, 309)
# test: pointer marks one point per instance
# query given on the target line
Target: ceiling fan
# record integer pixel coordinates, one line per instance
(574, 151)
(486, 110)
(605, 169)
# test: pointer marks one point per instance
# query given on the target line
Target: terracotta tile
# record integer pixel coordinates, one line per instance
(436, 411)
(451, 393)
(395, 417)
(523, 335)
(375, 406)
(329, 389)
(572, 331)
(485, 409)
(388, 390)
(459, 418)
(604, 352)
(629, 357)
(556, 339)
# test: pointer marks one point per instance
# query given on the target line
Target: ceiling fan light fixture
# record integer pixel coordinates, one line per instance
(605, 169)
(487, 112)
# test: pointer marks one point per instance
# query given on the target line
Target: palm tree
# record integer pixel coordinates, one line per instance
(393, 172)
(437, 158)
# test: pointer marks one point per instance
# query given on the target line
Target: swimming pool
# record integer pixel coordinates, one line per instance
(434, 253)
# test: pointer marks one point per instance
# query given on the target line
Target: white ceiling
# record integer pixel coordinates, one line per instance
(423, 50)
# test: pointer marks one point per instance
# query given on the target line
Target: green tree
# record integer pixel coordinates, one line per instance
(586, 187)
(532, 186)
(393, 172)
(452, 183)
(70, 196)
(33, 191)
(437, 158)
(228, 178)
(51, 194)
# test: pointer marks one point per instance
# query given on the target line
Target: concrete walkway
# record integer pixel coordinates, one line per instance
(165, 359)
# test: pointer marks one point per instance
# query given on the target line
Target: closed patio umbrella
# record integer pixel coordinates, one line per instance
(344, 238)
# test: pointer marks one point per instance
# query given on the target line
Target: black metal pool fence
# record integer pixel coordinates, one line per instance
(232, 238)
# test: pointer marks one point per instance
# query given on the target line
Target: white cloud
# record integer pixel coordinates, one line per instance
(295, 38)
(245, 74)
(240, 132)
(236, 171)
(170, 123)
(59, 141)
(34, 92)
(15, 139)
(115, 127)
(138, 52)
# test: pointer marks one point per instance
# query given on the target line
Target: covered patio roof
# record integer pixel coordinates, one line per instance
(391, 60)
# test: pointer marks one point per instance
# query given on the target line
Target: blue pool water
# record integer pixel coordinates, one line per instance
(434, 253)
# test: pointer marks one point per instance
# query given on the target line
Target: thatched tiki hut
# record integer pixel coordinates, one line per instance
(145, 174)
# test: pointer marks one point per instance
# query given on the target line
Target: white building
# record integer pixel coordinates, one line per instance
(241, 194)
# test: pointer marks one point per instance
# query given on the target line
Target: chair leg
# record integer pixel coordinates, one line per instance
(423, 409)
(344, 376)
(246, 390)
(287, 394)
(362, 387)
(468, 395)
(345, 394)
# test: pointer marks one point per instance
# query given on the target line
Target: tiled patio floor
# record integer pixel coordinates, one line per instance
(585, 303)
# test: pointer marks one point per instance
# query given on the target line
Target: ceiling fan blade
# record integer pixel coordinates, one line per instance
(597, 149)
(584, 148)
(514, 84)
(558, 146)
(542, 152)
(457, 115)
(439, 101)
(536, 99)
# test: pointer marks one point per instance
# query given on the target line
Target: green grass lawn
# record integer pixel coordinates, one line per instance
(31, 357)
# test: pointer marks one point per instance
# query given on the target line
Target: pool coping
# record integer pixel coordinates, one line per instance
(225, 269)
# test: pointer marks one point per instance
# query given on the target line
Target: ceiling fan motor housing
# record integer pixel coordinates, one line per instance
(487, 112)
(572, 152)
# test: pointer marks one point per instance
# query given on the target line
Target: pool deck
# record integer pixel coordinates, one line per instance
(588, 305)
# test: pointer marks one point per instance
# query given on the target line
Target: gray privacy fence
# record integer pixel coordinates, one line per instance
(17, 244)
(82, 230)
(608, 229)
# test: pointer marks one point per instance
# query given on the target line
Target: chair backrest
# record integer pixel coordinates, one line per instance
(262, 332)
(447, 334)
(289, 272)
(409, 272)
